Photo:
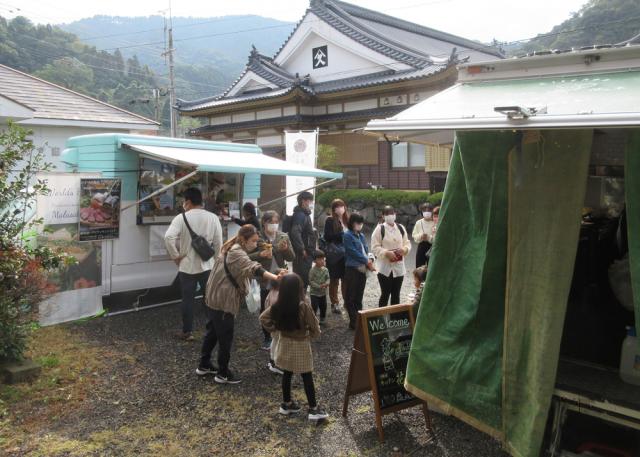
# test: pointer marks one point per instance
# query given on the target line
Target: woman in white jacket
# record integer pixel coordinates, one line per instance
(390, 244)
(424, 233)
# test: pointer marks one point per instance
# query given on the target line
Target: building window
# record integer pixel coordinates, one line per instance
(407, 155)
(438, 157)
(351, 178)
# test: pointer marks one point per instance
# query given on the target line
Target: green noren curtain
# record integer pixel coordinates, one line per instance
(487, 337)
(456, 353)
(548, 179)
(632, 192)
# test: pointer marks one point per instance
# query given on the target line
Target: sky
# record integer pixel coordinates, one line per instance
(484, 20)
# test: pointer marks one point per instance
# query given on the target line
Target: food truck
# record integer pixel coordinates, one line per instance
(114, 203)
(525, 327)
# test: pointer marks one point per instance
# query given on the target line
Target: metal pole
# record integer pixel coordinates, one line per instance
(172, 87)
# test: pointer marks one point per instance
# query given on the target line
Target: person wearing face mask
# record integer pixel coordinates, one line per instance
(227, 287)
(334, 228)
(192, 270)
(273, 252)
(424, 234)
(303, 237)
(390, 244)
(357, 263)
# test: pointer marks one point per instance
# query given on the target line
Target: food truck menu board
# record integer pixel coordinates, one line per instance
(99, 209)
(154, 175)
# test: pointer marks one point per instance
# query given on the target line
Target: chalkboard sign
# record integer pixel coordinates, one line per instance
(379, 361)
(390, 341)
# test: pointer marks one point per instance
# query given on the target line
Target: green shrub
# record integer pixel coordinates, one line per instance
(374, 197)
(23, 266)
(436, 199)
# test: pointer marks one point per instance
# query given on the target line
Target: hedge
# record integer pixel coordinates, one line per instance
(379, 197)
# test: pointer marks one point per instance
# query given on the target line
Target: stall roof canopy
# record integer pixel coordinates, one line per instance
(577, 101)
(229, 161)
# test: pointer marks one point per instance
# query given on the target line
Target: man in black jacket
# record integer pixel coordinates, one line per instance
(303, 238)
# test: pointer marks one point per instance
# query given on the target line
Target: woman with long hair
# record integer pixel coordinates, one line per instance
(295, 323)
(334, 228)
(273, 253)
(227, 286)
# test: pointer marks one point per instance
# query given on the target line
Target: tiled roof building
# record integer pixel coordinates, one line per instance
(341, 66)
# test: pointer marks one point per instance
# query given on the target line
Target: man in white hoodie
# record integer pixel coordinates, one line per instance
(390, 244)
(192, 269)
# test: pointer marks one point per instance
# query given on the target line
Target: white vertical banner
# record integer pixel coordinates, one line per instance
(302, 149)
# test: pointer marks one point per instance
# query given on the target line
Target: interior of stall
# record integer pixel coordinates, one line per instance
(599, 315)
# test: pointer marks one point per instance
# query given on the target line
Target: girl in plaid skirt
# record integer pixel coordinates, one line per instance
(295, 323)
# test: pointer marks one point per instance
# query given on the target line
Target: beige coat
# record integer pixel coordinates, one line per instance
(221, 293)
(292, 350)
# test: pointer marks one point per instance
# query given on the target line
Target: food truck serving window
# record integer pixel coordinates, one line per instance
(154, 175)
(217, 190)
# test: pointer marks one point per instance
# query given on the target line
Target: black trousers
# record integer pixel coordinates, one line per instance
(390, 287)
(354, 284)
(319, 303)
(188, 285)
(219, 333)
(263, 297)
(301, 267)
(309, 388)
(421, 253)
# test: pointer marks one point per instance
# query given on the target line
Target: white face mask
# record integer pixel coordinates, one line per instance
(272, 228)
(390, 218)
(427, 214)
(357, 227)
(340, 210)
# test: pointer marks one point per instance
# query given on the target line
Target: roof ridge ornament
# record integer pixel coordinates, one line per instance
(254, 54)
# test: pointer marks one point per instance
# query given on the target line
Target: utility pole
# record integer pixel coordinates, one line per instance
(172, 87)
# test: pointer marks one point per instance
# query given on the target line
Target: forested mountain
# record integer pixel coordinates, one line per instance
(598, 22)
(210, 52)
(117, 73)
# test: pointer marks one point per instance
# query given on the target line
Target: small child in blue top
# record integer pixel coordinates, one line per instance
(319, 283)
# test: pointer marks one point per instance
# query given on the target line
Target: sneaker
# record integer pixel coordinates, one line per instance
(289, 408)
(316, 414)
(266, 345)
(205, 370)
(335, 309)
(184, 336)
(229, 378)
(323, 321)
(274, 369)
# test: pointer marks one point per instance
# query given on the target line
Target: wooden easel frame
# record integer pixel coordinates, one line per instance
(362, 331)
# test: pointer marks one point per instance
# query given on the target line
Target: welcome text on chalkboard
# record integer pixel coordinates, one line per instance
(379, 361)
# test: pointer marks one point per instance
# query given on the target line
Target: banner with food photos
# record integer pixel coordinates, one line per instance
(99, 209)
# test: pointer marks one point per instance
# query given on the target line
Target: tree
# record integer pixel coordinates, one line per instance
(23, 266)
(70, 73)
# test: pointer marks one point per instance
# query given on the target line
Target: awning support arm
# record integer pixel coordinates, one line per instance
(159, 191)
(296, 193)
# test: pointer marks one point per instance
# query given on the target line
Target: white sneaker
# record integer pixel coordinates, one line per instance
(274, 369)
(316, 414)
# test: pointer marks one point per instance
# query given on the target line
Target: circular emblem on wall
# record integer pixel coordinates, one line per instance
(300, 145)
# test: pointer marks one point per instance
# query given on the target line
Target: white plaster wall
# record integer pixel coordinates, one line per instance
(268, 113)
(289, 110)
(51, 138)
(361, 105)
(243, 117)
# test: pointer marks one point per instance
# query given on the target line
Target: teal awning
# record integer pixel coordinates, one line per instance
(230, 162)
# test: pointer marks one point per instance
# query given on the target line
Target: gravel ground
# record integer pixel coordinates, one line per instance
(152, 403)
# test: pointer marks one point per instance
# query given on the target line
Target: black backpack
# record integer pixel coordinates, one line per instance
(286, 223)
(402, 232)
